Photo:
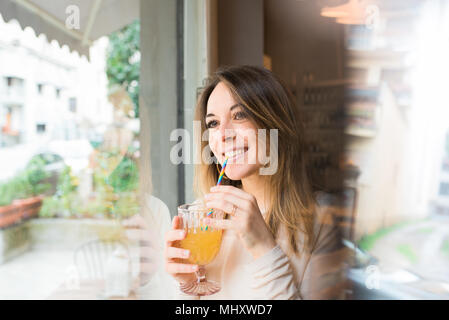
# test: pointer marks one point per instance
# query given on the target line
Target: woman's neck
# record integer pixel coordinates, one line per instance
(255, 185)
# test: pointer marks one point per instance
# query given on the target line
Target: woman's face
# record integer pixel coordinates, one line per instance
(231, 134)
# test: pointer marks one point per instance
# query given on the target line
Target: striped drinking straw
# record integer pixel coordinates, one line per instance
(220, 177)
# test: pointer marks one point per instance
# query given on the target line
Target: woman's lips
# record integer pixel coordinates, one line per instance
(236, 153)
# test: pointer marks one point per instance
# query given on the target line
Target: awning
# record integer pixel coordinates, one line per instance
(96, 18)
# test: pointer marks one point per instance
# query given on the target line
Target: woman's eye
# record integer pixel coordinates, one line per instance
(211, 124)
(239, 115)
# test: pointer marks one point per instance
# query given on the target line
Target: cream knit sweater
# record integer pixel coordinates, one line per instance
(279, 274)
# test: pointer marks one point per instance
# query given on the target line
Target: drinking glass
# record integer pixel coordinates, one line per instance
(203, 242)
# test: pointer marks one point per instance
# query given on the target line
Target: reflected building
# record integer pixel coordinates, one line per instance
(41, 97)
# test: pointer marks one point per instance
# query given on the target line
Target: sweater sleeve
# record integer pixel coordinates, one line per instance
(325, 273)
(273, 276)
(319, 274)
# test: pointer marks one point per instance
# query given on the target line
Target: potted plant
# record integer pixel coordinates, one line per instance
(31, 188)
(126, 206)
(51, 207)
(10, 213)
(65, 202)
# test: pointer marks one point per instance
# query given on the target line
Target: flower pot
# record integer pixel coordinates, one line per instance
(9, 215)
(30, 206)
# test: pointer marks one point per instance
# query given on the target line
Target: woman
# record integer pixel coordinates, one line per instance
(277, 243)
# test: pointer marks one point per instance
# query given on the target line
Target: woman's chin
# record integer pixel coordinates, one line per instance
(239, 172)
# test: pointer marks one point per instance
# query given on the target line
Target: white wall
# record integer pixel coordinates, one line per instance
(35, 60)
(195, 72)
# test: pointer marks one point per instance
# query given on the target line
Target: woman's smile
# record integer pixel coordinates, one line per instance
(234, 154)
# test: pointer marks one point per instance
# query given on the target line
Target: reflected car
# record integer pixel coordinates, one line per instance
(75, 153)
(54, 165)
(371, 280)
(16, 160)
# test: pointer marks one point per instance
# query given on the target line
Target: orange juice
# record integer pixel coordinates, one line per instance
(203, 245)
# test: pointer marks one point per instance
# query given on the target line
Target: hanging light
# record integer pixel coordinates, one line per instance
(351, 20)
(352, 12)
(336, 12)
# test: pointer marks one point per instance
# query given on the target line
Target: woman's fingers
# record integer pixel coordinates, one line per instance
(148, 253)
(172, 252)
(232, 190)
(225, 203)
(174, 268)
(221, 204)
(176, 223)
(136, 221)
(174, 235)
(137, 229)
(140, 235)
(220, 223)
(148, 268)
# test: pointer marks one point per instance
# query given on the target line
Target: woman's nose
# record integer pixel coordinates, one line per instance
(226, 131)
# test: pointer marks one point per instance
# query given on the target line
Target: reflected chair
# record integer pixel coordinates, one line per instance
(91, 258)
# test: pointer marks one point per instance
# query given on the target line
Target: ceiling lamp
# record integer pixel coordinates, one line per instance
(353, 12)
(335, 12)
(351, 20)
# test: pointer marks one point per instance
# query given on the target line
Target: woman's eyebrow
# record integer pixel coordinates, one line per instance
(230, 109)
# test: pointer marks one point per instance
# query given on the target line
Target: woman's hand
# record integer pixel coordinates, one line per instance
(138, 230)
(182, 272)
(246, 221)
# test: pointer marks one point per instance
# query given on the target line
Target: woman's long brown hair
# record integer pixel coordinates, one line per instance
(270, 106)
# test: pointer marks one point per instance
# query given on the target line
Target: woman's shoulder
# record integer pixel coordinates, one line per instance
(327, 231)
(325, 235)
